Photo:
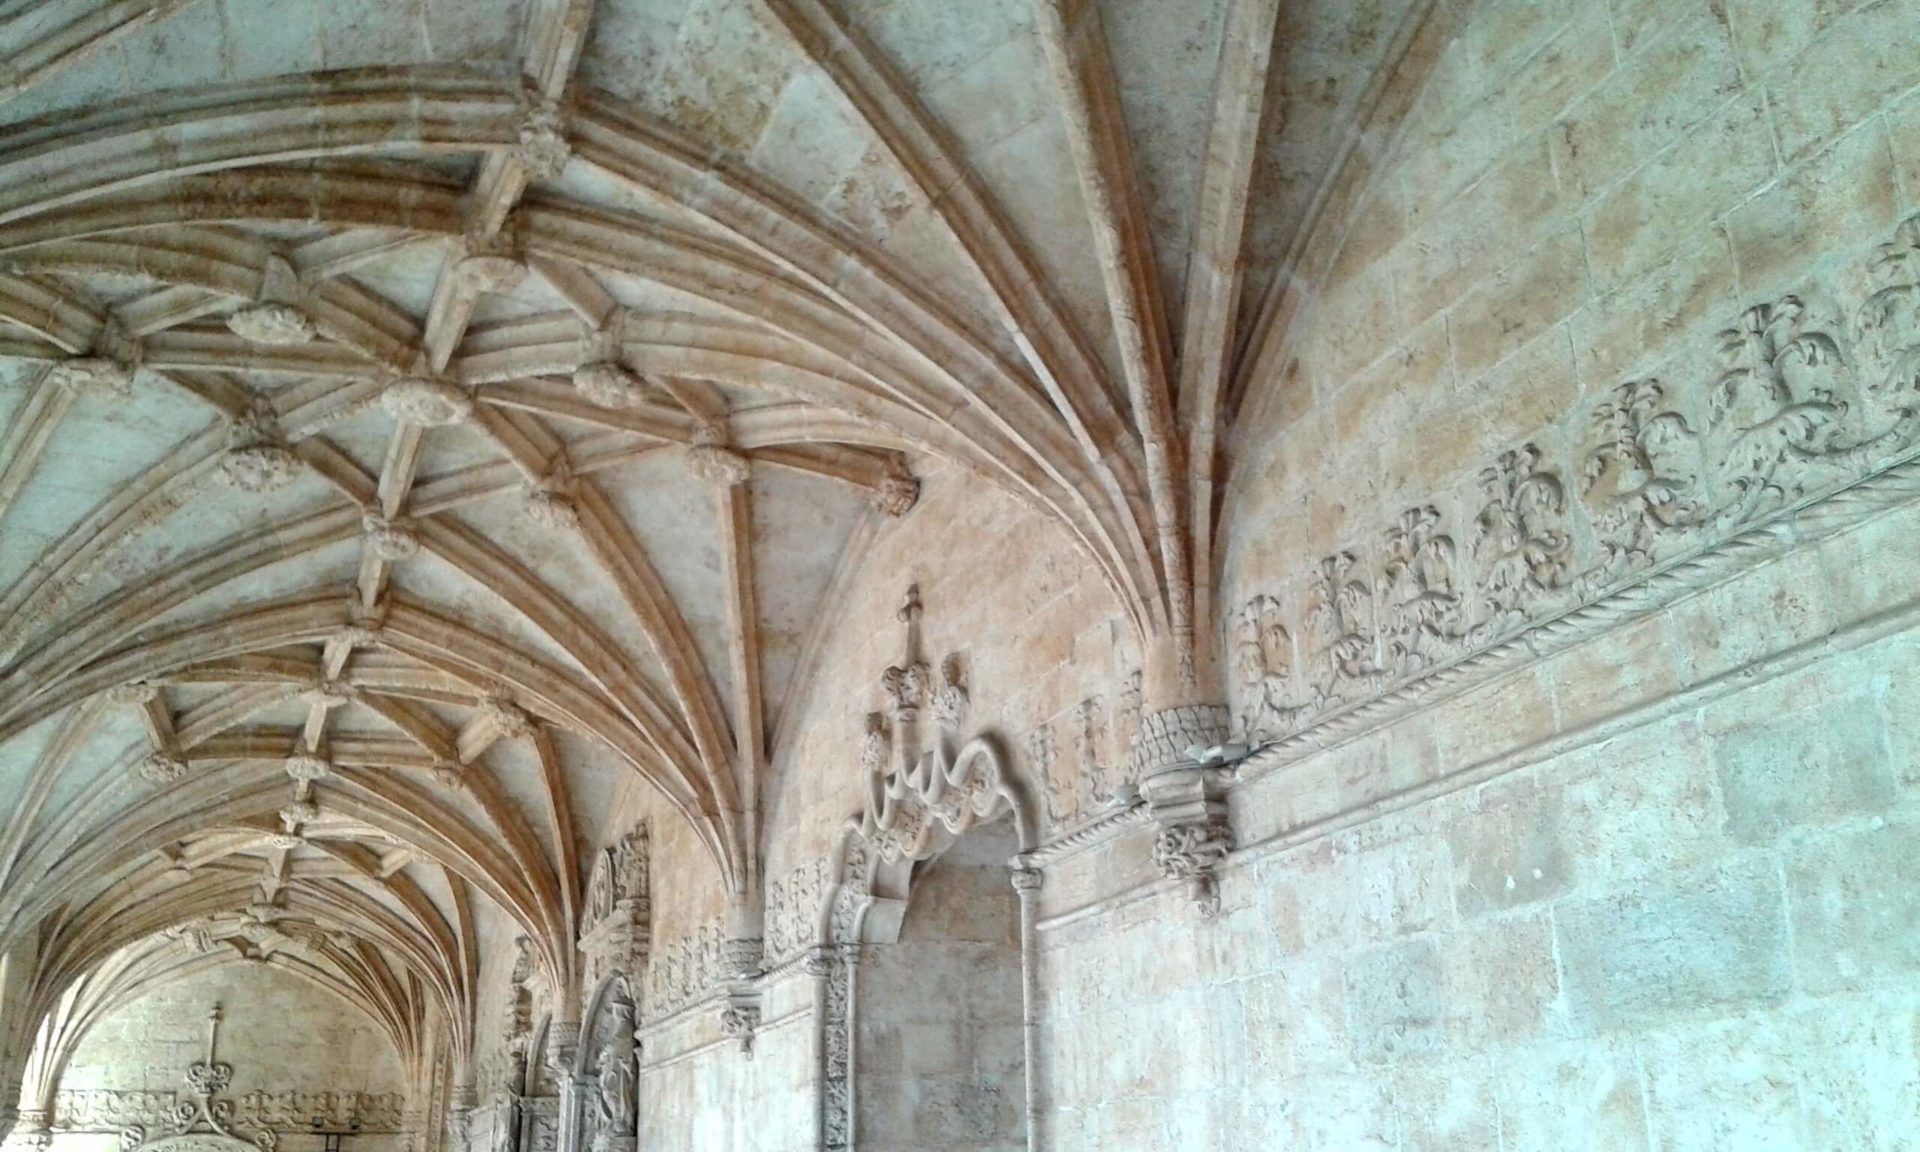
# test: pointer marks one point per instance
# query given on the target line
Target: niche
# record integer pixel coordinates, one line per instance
(940, 1052)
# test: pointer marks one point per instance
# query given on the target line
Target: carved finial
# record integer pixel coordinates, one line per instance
(909, 612)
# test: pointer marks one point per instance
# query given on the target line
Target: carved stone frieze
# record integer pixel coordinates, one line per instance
(1798, 397)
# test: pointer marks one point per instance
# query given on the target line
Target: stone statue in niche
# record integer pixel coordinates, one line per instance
(617, 1102)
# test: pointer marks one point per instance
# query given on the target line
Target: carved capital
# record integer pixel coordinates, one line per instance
(1026, 880)
(1193, 853)
(1167, 737)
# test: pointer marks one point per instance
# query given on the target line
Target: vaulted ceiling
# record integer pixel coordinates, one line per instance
(419, 412)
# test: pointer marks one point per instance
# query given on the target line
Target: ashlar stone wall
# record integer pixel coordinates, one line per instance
(296, 1051)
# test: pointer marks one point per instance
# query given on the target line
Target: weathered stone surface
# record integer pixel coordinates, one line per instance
(1853, 903)
(1714, 942)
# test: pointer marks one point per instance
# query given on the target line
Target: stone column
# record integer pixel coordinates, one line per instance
(1026, 885)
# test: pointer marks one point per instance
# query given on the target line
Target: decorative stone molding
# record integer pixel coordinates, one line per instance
(271, 325)
(899, 490)
(616, 920)
(426, 403)
(541, 144)
(689, 969)
(1807, 417)
(486, 271)
(389, 540)
(793, 910)
(307, 767)
(104, 374)
(711, 460)
(1167, 736)
(206, 1112)
(257, 459)
(607, 384)
(508, 719)
(161, 767)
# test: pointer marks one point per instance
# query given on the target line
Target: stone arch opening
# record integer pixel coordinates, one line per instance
(938, 1010)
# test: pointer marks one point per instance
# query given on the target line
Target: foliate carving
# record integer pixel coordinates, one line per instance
(161, 767)
(616, 921)
(794, 904)
(686, 970)
(950, 699)
(1640, 479)
(1420, 601)
(426, 403)
(93, 374)
(1340, 622)
(271, 325)
(136, 692)
(1805, 395)
(927, 785)
(508, 719)
(550, 505)
(1193, 853)
(898, 491)
(104, 1110)
(1522, 553)
(306, 767)
(709, 458)
(1263, 663)
(488, 272)
(1062, 788)
(390, 540)
(738, 1023)
(257, 459)
(542, 142)
(607, 384)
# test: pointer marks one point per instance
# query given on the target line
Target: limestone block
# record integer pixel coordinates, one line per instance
(1834, 201)
(1812, 766)
(1675, 948)
(1509, 847)
(1845, 75)
(1396, 1000)
(1570, 1097)
(1854, 903)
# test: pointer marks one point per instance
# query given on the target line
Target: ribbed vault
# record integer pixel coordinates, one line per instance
(378, 411)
